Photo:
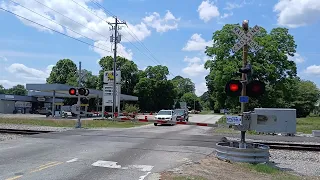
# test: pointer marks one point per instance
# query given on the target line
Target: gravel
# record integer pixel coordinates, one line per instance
(299, 162)
(32, 127)
(5, 136)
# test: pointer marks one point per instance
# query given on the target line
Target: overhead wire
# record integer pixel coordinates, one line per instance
(132, 34)
(53, 29)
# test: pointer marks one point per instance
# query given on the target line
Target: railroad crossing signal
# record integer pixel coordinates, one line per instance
(254, 88)
(245, 38)
(80, 91)
(233, 88)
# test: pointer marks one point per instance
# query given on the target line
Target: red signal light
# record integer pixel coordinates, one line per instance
(233, 88)
(72, 91)
(255, 88)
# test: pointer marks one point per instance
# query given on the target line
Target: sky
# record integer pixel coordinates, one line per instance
(167, 32)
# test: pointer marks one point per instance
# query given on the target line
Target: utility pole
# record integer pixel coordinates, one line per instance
(245, 26)
(116, 39)
(79, 99)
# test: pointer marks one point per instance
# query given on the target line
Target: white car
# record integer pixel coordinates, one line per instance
(165, 115)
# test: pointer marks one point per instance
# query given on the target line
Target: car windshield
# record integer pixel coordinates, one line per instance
(164, 113)
(179, 112)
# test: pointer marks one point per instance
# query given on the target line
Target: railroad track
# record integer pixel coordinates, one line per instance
(292, 146)
(22, 131)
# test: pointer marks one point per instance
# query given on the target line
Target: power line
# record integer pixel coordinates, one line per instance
(105, 21)
(53, 30)
(132, 35)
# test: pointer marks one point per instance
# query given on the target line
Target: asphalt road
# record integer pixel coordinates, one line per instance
(134, 154)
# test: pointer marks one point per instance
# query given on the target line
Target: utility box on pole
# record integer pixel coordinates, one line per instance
(274, 120)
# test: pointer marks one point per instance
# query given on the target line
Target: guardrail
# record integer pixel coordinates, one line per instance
(252, 153)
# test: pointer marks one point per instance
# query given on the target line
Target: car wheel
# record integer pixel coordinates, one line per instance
(155, 124)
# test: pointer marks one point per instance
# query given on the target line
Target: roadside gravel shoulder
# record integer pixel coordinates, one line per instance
(210, 168)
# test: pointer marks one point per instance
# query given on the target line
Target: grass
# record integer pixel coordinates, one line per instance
(276, 173)
(71, 123)
(306, 125)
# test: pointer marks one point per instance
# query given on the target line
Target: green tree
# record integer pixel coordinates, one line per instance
(270, 65)
(17, 90)
(2, 89)
(306, 98)
(129, 73)
(183, 85)
(89, 81)
(64, 72)
(155, 92)
(192, 100)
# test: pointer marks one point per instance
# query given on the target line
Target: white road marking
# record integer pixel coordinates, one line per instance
(114, 165)
(144, 168)
(72, 160)
(144, 176)
(107, 164)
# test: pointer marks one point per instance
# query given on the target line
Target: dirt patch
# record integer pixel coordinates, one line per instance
(212, 168)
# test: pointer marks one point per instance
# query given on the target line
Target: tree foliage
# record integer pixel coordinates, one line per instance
(15, 90)
(64, 72)
(192, 100)
(183, 85)
(270, 65)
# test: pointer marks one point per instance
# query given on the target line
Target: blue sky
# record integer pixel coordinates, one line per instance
(174, 32)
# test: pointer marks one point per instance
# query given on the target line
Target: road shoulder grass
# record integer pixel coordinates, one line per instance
(71, 123)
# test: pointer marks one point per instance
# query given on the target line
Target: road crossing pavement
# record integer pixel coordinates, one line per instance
(134, 153)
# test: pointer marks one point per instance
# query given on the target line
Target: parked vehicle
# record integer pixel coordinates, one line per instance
(165, 115)
(182, 114)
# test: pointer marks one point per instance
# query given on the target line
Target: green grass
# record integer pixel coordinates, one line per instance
(188, 178)
(306, 125)
(71, 123)
(276, 173)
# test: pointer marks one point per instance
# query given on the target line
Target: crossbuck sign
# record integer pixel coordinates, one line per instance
(245, 38)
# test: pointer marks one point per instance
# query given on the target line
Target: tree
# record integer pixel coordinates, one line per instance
(306, 98)
(89, 81)
(17, 90)
(270, 65)
(192, 100)
(158, 72)
(155, 92)
(2, 89)
(129, 73)
(64, 72)
(183, 85)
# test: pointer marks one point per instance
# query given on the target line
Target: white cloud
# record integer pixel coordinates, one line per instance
(225, 15)
(296, 58)
(94, 27)
(28, 74)
(105, 45)
(296, 13)
(200, 88)
(207, 10)
(196, 43)
(195, 67)
(168, 22)
(9, 84)
(230, 6)
(313, 70)
(2, 58)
